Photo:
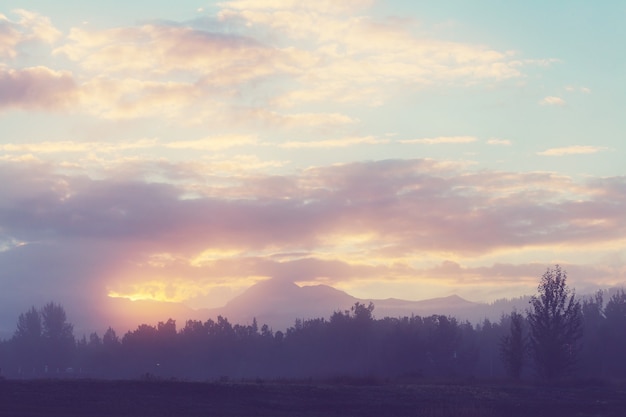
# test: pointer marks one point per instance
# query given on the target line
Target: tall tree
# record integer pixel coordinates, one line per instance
(513, 347)
(29, 325)
(555, 321)
(58, 335)
(110, 338)
(28, 340)
(593, 353)
(615, 334)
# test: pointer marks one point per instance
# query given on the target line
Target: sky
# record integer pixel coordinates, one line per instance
(183, 151)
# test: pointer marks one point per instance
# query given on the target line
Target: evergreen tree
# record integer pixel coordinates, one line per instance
(555, 321)
(27, 340)
(58, 336)
(513, 347)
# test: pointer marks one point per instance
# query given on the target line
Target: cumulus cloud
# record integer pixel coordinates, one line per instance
(322, 6)
(572, 150)
(214, 143)
(440, 140)
(335, 143)
(71, 146)
(499, 142)
(295, 120)
(346, 199)
(28, 28)
(245, 65)
(215, 59)
(552, 101)
(36, 88)
(132, 98)
(319, 52)
(211, 143)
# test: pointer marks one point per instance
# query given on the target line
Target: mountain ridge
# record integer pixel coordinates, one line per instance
(279, 304)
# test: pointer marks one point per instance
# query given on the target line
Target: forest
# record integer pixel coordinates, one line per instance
(559, 336)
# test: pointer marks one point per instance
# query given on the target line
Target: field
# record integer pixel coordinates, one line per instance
(70, 398)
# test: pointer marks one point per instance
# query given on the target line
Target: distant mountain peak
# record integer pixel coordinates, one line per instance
(271, 289)
(279, 302)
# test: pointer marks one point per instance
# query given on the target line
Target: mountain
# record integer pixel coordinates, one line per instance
(452, 305)
(278, 303)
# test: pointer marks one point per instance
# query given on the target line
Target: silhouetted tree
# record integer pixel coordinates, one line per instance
(615, 310)
(490, 335)
(29, 325)
(27, 340)
(615, 334)
(362, 313)
(351, 343)
(94, 339)
(58, 335)
(442, 343)
(555, 321)
(110, 338)
(593, 355)
(167, 330)
(513, 347)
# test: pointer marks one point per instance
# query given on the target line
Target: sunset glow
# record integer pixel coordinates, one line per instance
(182, 153)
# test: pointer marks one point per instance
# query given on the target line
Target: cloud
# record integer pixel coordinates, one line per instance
(30, 28)
(130, 98)
(552, 101)
(335, 143)
(322, 6)
(314, 49)
(213, 143)
(330, 200)
(70, 236)
(71, 146)
(499, 142)
(36, 88)
(571, 89)
(440, 140)
(572, 150)
(373, 49)
(214, 59)
(295, 120)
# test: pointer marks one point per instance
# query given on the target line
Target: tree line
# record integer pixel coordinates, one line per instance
(559, 336)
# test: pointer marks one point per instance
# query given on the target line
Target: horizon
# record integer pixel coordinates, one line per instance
(154, 312)
(184, 152)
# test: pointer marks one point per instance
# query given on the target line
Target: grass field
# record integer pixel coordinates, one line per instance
(70, 398)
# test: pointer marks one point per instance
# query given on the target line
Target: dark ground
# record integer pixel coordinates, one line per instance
(68, 398)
